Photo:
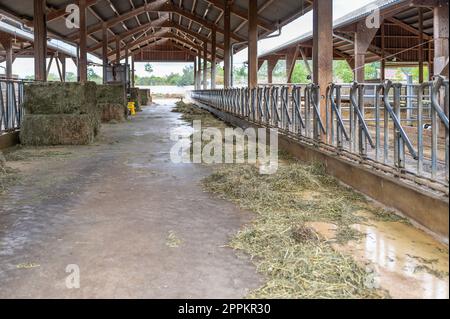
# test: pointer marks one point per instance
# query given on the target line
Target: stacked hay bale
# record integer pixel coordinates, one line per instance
(146, 97)
(135, 96)
(149, 96)
(60, 114)
(112, 102)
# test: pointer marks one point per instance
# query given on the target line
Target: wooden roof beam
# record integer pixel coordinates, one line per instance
(190, 32)
(156, 6)
(130, 46)
(149, 45)
(408, 28)
(122, 36)
(161, 34)
(153, 6)
(202, 22)
(243, 14)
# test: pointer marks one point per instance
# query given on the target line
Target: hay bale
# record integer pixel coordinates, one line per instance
(149, 96)
(111, 93)
(146, 98)
(59, 129)
(135, 96)
(60, 98)
(112, 103)
(113, 112)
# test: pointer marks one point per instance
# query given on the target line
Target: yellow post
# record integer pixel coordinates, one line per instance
(132, 108)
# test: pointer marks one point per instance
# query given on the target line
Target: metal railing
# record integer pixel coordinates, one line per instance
(397, 128)
(11, 104)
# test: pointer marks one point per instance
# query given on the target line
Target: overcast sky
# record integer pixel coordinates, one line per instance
(25, 67)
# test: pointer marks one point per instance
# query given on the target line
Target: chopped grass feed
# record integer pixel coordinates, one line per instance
(295, 260)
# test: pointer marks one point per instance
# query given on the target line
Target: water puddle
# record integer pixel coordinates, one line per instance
(408, 263)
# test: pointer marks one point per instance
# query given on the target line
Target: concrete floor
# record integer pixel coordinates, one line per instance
(110, 209)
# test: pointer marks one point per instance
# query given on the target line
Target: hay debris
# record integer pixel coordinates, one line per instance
(191, 112)
(2, 160)
(8, 178)
(173, 241)
(432, 271)
(26, 154)
(295, 260)
(304, 234)
(346, 234)
(28, 266)
(388, 216)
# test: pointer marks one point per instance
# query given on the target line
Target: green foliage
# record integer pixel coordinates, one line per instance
(220, 75)
(372, 71)
(93, 77)
(187, 78)
(401, 74)
(342, 72)
(173, 79)
(300, 74)
(149, 68)
(53, 78)
(71, 77)
(240, 74)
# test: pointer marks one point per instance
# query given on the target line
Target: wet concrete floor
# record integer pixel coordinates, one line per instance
(134, 224)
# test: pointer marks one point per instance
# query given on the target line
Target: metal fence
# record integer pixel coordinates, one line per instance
(11, 100)
(398, 128)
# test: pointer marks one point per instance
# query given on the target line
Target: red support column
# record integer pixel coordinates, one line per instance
(205, 65)
(227, 43)
(40, 40)
(252, 44)
(132, 72)
(195, 73)
(199, 72)
(127, 65)
(441, 39)
(323, 50)
(117, 51)
(83, 42)
(383, 52)
(421, 77)
(213, 60)
(105, 52)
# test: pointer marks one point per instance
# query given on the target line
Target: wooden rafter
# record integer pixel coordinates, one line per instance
(157, 6)
(242, 13)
